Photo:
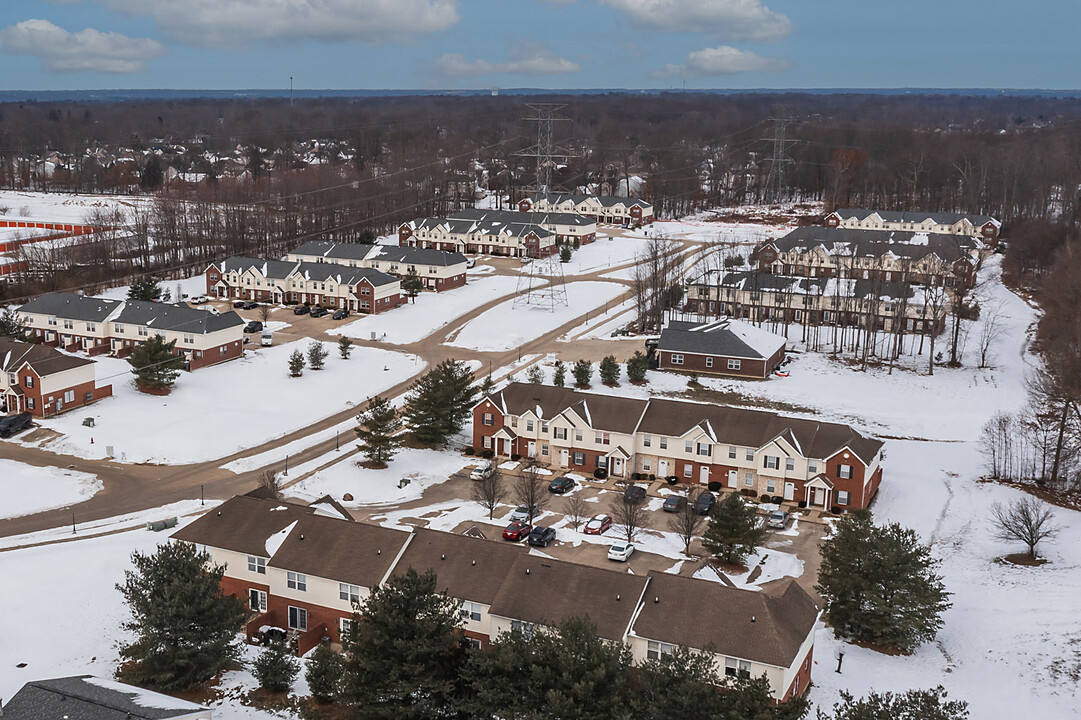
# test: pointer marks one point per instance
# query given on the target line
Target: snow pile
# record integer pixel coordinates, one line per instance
(28, 489)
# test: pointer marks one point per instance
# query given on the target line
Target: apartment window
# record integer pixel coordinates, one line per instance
(812, 466)
(705, 449)
(842, 497)
(677, 359)
(13, 379)
(296, 581)
(579, 458)
(654, 649)
(365, 291)
(544, 449)
(559, 433)
(189, 339)
(143, 331)
(526, 628)
(709, 362)
(578, 436)
(647, 464)
(603, 439)
(789, 464)
(30, 403)
(748, 478)
(349, 592)
(256, 565)
(544, 427)
(844, 471)
(771, 485)
(470, 611)
(602, 461)
(749, 455)
(737, 668)
(664, 443)
(52, 320)
(256, 600)
(487, 419)
(688, 470)
(28, 381)
(118, 328)
(529, 426)
(771, 462)
(688, 446)
(69, 324)
(486, 442)
(733, 364)
(647, 441)
(731, 452)
(298, 618)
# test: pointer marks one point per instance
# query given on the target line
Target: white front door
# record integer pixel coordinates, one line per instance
(733, 478)
(564, 457)
(617, 466)
(703, 475)
(662, 468)
(532, 449)
(789, 491)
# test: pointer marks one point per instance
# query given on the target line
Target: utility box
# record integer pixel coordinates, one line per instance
(88, 422)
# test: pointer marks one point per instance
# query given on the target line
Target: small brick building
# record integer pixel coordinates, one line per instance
(721, 347)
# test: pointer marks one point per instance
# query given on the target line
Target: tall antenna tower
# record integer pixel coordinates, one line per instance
(546, 153)
(542, 285)
(775, 180)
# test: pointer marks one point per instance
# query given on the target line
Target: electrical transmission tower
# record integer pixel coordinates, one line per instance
(775, 181)
(546, 153)
(542, 285)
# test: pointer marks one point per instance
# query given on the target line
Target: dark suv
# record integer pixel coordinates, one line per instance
(704, 502)
(674, 503)
(15, 424)
(301, 310)
(634, 494)
(541, 536)
(253, 327)
(318, 311)
(561, 485)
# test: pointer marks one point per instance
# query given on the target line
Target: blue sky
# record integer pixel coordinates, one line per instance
(342, 44)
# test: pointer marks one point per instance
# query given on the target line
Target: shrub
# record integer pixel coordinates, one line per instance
(487, 454)
(276, 668)
(764, 498)
(600, 473)
(802, 504)
(835, 510)
(515, 457)
(652, 477)
(469, 450)
(747, 492)
(636, 476)
(776, 499)
(714, 485)
(672, 480)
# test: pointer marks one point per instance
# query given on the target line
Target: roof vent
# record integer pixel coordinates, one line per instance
(219, 513)
(527, 571)
(618, 598)
(474, 562)
(752, 618)
(656, 600)
(302, 536)
(442, 557)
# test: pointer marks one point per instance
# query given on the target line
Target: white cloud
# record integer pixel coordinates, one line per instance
(723, 60)
(732, 20)
(528, 58)
(87, 50)
(231, 23)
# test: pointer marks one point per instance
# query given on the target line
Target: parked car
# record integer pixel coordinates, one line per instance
(778, 519)
(597, 525)
(249, 305)
(318, 311)
(525, 259)
(13, 424)
(237, 304)
(621, 552)
(517, 530)
(541, 536)
(704, 502)
(253, 327)
(471, 262)
(267, 339)
(209, 308)
(561, 485)
(340, 314)
(301, 310)
(521, 513)
(482, 472)
(199, 300)
(674, 503)
(634, 494)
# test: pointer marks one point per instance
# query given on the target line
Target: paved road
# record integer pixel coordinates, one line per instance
(129, 488)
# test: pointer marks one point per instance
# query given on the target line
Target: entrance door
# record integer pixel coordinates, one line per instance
(257, 600)
(789, 491)
(703, 475)
(532, 451)
(733, 478)
(662, 468)
(564, 458)
(617, 466)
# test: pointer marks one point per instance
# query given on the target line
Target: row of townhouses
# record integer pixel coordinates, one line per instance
(982, 226)
(498, 232)
(99, 326)
(44, 381)
(792, 299)
(437, 269)
(824, 464)
(307, 568)
(602, 208)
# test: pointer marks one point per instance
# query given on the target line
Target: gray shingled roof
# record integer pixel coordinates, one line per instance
(874, 243)
(179, 318)
(70, 305)
(343, 275)
(84, 697)
(755, 280)
(605, 200)
(514, 216)
(487, 226)
(916, 216)
(720, 338)
(44, 359)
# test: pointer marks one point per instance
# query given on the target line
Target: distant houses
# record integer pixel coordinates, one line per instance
(499, 232)
(607, 209)
(984, 227)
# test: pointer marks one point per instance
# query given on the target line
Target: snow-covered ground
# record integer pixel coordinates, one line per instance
(505, 326)
(216, 411)
(431, 311)
(606, 251)
(29, 205)
(189, 287)
(26, 489)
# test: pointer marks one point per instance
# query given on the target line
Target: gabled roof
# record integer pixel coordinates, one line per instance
(725, 337)
(547, 592)
(272, 269)
(340, 550)
(916, 216)
(757, 281)
(72, 306)
(45, 360)
(467, 568)
(178, 318)
(603, 412)
(604, 200)
(243, 524)
(343, 275)
(858, 242)
(510, 225)
(84, 697)
(515, 216)
(768, 626)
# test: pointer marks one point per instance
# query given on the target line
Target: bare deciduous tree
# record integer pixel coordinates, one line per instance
(628, 516)
(577, 510)
(1025, 520)
(489, 492)
(271, 483)
(687, 523)
(264, 312)
(531, 490)
(991, 330)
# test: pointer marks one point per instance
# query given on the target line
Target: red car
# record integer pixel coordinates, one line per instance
(517, 531)
(597, 525)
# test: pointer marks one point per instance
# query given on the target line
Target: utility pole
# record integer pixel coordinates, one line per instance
(290, 91)
(775, 181)
(544, 114)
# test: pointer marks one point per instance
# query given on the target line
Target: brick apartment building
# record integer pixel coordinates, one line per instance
(44, 381)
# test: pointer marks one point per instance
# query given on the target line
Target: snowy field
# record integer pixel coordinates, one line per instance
(217, 411)
(27, 489)
(432, 311)
(60, 206)
(189, 286)
(605, 252)
(505, 326)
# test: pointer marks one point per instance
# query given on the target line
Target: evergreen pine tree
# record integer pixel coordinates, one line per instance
(637, 366)
(734, 531)
(12, 325)
(439, 402)
(488, 386)
(910, 705)
(155, 365)
(412, 284)
(535, 375)
(378, 431)
(296, 364)
(609, 370)
(152, 175)
(582, 372)
(276, 667)
(559, 379)
(185, 628)
(565, 252)
(345, 347)
(880, 584)
(145, 288)
(317, 355)
(403, 657)
(324, 673)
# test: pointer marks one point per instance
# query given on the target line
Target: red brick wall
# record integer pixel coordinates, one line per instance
(480, 430)
(697, 363)
(81, 390)
(317, 614)
(449, 283)
(213, 356)
(803, 678)
(404, 233)
(853, 485)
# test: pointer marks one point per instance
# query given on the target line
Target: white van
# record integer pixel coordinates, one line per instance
(267, 339)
